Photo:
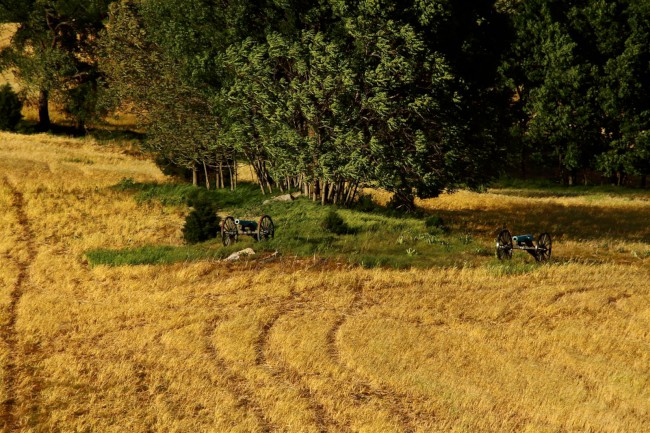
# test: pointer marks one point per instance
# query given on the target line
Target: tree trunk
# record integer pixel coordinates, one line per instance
(43, 111)
(403, 200)
(195, 176)
(231, 176)
(353, 192)
(315, 190)
(235, 170)
(207, 178)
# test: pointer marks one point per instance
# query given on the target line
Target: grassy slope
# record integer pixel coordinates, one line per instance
(294, 345)
(375, 238)
(584, 223)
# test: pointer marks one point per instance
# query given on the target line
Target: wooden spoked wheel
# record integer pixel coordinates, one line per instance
(504, 245)
(265, 228)
(544, 247)
(229, 232)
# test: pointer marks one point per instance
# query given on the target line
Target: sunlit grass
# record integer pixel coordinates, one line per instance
(297, 344)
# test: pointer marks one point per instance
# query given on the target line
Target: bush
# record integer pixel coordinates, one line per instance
(333, 223)
(435, 222)
(202, 223)
(10, 108)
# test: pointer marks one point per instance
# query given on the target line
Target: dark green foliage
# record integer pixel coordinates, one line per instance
(126, 183)
(202, 223)
(580, 71)
(53, 52)
(328, 96)
(333, 223)
(10, 108)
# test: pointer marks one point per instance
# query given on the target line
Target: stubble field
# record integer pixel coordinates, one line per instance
(301, 345)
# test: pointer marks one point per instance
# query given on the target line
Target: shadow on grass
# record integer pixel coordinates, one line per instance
(175, 194)
(542, 188)
(576, 221)
(157, 254)
(100, 133)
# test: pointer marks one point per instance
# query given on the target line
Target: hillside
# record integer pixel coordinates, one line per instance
(6, 31)
(302, 345)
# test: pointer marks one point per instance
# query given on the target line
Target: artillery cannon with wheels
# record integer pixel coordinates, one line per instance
(261, 230)
(540, 248)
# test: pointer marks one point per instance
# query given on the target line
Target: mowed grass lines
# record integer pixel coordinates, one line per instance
(292, 346)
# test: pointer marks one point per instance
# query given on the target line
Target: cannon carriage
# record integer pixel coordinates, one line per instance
(539, 248)
(261, 230)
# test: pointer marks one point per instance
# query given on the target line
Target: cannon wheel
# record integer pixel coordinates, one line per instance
(265, 228)
(229, 232)
(504, 245)
(545, 244)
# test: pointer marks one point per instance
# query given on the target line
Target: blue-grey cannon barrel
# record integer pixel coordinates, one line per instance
(523, 239)
(245, 224)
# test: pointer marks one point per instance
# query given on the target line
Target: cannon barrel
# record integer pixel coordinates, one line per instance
(523, 239)
(246, 224)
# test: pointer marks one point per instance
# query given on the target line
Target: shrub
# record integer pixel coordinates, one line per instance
(202, 223)
(10, 108)
(126, 183)
(434, 221)
(333, 223)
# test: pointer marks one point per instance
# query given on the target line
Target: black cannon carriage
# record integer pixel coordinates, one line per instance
(540, 249)
(261, 230)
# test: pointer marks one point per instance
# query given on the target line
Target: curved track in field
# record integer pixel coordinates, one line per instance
(8, 416)
(385, 396)
(284, 373)
(236, 384)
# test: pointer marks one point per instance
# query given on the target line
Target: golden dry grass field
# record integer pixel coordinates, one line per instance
(295, 345)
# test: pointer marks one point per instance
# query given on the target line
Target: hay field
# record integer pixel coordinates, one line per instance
(296, 345)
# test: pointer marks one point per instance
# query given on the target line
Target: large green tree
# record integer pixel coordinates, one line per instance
(54, 52)
(327, 95)
(625, 95)
(144, 80)
(580, 69)
(375, 92)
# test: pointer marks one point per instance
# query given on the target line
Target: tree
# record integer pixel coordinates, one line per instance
(431, 100)
(147, 81)
(328, 96)
(625, 97)
(10, 108)
(53, 51)
(578, 69)
(371, 93)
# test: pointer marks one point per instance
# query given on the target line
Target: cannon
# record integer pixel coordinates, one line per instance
(540, 249)
(261, 230)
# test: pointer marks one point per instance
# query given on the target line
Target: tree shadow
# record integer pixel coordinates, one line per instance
(574, 221)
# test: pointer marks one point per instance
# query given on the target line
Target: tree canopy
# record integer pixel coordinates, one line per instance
(53, 51)
(329, 96)
(581, 69)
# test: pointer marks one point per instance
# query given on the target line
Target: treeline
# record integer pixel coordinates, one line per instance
(328, 96)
